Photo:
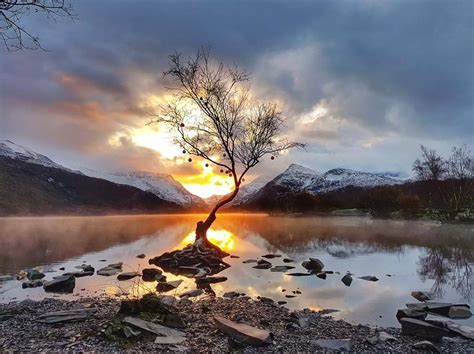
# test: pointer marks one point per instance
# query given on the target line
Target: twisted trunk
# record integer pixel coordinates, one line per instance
(203, 226)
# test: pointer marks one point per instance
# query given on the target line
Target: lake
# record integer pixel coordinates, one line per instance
(404, 256)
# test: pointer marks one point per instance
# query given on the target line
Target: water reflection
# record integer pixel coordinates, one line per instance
(416, 255)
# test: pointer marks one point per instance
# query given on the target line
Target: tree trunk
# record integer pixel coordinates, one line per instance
(203, 226)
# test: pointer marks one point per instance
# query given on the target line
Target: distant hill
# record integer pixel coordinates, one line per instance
(30, 188)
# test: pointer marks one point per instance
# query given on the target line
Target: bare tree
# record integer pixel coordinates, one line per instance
(215, 118)
(431, 167)
(14, 34)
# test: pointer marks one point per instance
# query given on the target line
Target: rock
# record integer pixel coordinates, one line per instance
(192, 293)
(250, 261)
(282, 302)
(127, 276)
(210, 280)
(281, 268)
(262, 264)
(422, 295)
(149, 274)
(410, 313)
(243, 333)
(110, 270)
(86, 267)
(34, 274)
(464, 331)
(142, 255)
(165, 335)
(231, 295)
(334, 344)
(426, 346)
(129, 332)
(347, 280)
(32, 284)
(287, 260)
(168, 286)
(80, 274)
(313, 264)
(6, 278)
(299, 274)
(67, 316)
(321, 275)
(458, 312)
(414, 327)
(234, 256)
(385, 337)
(265, 300)
(271, 256)
(290, 296)
(161, 278)
(369, 278)
(61, 284)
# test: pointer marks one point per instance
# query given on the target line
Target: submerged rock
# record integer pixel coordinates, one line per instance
(422, 295)
(111, 269)
(61, 284)
(243, 333)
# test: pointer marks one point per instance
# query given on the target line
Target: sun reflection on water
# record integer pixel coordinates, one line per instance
(224, 239)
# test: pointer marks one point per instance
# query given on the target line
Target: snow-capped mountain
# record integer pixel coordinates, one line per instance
(17, 152)
(297, 178)
(161, 185)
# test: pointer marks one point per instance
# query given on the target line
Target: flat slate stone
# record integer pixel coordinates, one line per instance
(165, 335)
(464, 331)
(334, 344)
(414, 327)
(61, 284)
(127, 276)
(66, 316)
(243, 333)
(411, 313)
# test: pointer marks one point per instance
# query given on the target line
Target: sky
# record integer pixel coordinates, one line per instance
(361, 83)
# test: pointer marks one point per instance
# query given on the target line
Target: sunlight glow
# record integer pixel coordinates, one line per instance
(224, 239)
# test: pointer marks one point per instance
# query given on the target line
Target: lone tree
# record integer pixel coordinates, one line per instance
(13, 32)
(214, 117)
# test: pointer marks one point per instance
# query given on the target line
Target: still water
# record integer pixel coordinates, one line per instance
(404, 255)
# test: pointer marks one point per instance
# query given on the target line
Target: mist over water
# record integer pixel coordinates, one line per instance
(417, 255)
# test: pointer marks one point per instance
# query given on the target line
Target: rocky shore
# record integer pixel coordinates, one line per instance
(190, 324)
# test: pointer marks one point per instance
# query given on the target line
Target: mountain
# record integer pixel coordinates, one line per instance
(17, 152)
(162, 185)
(245, 192)
(30, 188)
(297, 179)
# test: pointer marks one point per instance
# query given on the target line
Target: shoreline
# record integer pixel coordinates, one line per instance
(291, 331)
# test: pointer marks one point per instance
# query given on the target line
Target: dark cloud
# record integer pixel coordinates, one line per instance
(388, 72)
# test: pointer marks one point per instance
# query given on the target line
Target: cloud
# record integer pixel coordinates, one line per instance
(357, 80)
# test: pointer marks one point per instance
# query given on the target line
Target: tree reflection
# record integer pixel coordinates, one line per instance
(449, 266)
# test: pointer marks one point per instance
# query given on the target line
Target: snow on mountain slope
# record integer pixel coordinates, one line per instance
(340, 178)
(297, 178)
(162, 185)
(18, 152)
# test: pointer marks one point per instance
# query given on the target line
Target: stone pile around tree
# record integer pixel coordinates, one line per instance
(192, 261)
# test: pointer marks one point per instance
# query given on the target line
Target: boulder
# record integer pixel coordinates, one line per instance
(334, 344)
(34, 274)
(313, 264)
(127, 276)
(422, 295)
(61, 284)
(149, 274)
(418, 328)
(243, 333)
(347, 280)
(32, 284)
(369, 278)
(411, 313)
(168, 286)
